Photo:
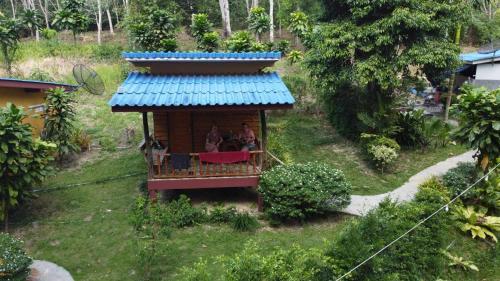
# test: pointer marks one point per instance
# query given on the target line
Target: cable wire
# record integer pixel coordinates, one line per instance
(417, 225)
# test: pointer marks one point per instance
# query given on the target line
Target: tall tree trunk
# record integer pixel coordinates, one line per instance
(452, 78)
(271, 21)
(248, 7)
(13, 7)
(99, 21)
(226, 19)
(45, 11)
(110, 21)
(255, 3)
(280, 31)
(37, 34)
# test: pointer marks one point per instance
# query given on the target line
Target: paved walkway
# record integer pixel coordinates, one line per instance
(362, 204)
(47, 271)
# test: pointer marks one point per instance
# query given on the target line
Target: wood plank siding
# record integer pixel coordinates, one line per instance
(189, 129)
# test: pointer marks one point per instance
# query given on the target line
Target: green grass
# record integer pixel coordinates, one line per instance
(310, 138)
(86, 229)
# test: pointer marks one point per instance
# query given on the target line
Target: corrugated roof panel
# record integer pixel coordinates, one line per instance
(141, 89)
(472, 57)
(201, 56)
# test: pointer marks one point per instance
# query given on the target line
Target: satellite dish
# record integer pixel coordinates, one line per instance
(88, 79)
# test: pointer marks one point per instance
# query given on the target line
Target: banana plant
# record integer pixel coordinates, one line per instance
(475, 221)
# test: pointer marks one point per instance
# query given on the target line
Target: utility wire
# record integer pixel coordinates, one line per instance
(417, 225)
(87, 183)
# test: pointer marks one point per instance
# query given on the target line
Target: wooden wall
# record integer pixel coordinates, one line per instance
(31, 101)
(174, 125)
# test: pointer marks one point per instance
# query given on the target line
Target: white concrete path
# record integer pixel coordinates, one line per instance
(47, 271)
(362, 204)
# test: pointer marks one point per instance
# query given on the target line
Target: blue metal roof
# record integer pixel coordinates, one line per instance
(141, 89)
(36, 81)
(475, 57)
(201, 56)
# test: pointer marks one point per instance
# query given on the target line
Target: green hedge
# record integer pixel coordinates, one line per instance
(298, 191)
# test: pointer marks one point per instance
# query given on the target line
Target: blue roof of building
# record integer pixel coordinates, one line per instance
(201, 56)
(27, 81)
(141, 89)
(476, 57)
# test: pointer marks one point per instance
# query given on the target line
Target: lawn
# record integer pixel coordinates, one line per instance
(86, 229)
(311, 138)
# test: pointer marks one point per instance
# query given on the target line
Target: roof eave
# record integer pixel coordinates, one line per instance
(201, 108)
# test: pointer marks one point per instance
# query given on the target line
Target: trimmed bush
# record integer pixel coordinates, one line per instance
(298, 191)
(182, 213)
(416, 256)
(461, 177)
(14, 262)
(380, 150)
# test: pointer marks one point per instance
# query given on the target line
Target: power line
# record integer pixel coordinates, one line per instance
(87, 183)
(417, 225)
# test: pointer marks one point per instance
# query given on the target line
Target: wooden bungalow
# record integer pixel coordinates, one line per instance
(29, 94)
(189, 92)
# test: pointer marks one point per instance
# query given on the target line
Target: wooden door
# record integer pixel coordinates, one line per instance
(181, 139)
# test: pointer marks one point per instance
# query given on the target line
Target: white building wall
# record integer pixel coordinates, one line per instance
(488, 71)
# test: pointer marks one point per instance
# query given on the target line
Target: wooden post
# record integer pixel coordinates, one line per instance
(149, 150)
(263, 128)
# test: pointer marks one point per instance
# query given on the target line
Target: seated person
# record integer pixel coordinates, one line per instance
(214, 139)
(247, 138)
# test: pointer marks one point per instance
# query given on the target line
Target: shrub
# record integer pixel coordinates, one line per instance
(81, 139)
(40, 75)
(297, 191)
(240, 41)
(474, 220)
(182, 213)
(209, 41)
(154, 28)
(107, 51)
(14, 263)
(461, 177)
(244, 222)
(59, 121)
(383, 156)
(294, 57)
(219, 214)
(200, 25)
(291, 264)
(415, 257)
(411, 125)
(258, 21)
(381, 151)
(48, 34)
(283, 46)
(434, 191)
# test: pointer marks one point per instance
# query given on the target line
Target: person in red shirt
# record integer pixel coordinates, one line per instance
(247, 138)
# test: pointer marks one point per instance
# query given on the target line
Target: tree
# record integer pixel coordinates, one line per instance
(154, 29)
(200, 25)
(59, 121)
(32, 20)
(366, 52)
(72, 17)
(271, 20)
(479, 113)
(240, 41)
(24, 161)
(226, 19)
(209, 42)
(258, 21)
(9, 41)
(299, 25)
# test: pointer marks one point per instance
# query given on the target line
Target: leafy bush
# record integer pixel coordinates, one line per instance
(81, 139)
(107, 51)
(182, 213)
(297, 191)
(48, 34)
(382, 151)
(415, 257)
(383, 156)
(71, 16)
(209, 41)
(294, 57)
(437, 132)
(59, 121)
(40, 75)
(14, 263)
(244, 222)
(258, 47)
(283, 46)
(24, 161)
(219, 214)
(479, 113)
(292, 264)
(461, 177)
(200, 25)
(433, 191)
(154, 29)
(475, 220)
(240, 41)
(411, 126)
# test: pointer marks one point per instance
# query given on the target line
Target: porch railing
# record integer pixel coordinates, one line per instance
(163, 167)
